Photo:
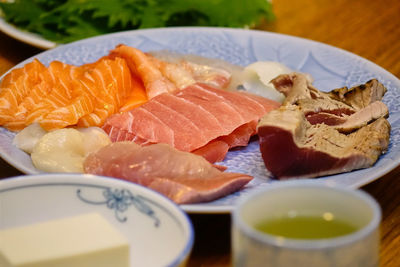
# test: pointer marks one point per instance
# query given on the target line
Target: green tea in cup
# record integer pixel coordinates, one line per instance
(296, 226)
(306, 223)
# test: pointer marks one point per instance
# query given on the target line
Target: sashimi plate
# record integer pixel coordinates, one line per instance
(329, 66)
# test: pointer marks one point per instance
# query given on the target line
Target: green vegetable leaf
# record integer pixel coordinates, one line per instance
(68, 20)
(224, 13)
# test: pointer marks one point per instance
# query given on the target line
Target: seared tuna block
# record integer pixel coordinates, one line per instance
(319, 133)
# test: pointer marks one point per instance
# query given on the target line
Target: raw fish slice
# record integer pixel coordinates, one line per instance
(214, 72)
(214, 151)
(15, 86)
(68, 115)
(241, 135)
(101, 85)
(121, 128)
(139, 63)
(228, 106)
(188, 190)
(66, 102)
(56, 87)
(52, 92)
(223, 112)
(217, 149)
(95, 118)
(62, 95)
(136, 97)
(180, 76)
(173, 119)
(31, 106)
(183, 73)
(206, 74)
(202, 118)
(62, 150)
(181, 176)
(110, 83)
(249, 105)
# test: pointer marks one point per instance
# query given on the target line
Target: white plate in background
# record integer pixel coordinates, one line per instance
(25, 36)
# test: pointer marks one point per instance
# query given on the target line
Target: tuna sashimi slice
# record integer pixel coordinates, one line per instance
(190, 118)
(214, 151)
(181, 176)
(217, 149)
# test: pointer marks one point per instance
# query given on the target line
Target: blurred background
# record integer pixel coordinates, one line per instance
(368, 28)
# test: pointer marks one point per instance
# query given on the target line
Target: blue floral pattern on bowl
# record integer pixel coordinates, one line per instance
(120, 200)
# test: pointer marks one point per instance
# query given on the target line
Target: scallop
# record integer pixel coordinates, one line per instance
(64, 150)
(28, 137)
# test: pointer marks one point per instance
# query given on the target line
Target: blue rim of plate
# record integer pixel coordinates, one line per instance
(330, 67)
(49, 180)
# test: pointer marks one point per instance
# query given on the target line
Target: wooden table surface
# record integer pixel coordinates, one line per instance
(368, 28)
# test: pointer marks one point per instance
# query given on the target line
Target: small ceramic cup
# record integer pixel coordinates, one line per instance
(251, 247)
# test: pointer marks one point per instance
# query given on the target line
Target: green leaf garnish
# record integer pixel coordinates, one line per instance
(64, 21)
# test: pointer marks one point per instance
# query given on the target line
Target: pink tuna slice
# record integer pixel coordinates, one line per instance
(190, 118)
(181, 176)
(216, 149)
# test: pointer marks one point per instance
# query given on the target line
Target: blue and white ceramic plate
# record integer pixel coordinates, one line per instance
(330, 67)
(153, 224)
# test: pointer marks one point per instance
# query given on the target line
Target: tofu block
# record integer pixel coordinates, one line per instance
(82, 241)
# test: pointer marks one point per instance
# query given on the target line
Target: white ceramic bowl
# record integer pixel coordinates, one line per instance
(160, 233)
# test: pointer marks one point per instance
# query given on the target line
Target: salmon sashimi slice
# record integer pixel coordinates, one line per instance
(136, 97)
(67, 100)
(63, 95)
(190, 118)
(68, 115)
(181, 176)
(55, 98)
(111, 85)
(33, 104)
(15, 86)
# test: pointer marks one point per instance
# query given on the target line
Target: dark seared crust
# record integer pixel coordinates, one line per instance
(318, 133)
(360, 96)
(295, 148)
(354, 107)
(298, 90)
